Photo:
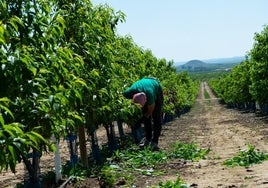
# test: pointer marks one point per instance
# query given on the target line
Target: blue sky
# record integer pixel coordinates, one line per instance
(182, 30)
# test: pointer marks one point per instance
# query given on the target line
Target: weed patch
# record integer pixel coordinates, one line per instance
(125, 164)
(247, 158)
(187, 151)
(170, 184)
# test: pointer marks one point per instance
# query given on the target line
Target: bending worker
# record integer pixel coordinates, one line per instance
(148, 93)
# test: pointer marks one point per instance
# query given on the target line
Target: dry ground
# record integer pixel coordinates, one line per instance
(226, 132)
(209, 125)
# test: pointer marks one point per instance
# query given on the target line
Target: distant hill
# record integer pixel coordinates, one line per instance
(194, 65)
(210, 64)
(235, 59)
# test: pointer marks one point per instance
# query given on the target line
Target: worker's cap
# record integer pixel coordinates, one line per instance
(140, 98)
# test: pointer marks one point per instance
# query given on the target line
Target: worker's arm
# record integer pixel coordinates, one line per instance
(150, 109)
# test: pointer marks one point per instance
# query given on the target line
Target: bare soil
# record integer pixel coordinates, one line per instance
(209, 124)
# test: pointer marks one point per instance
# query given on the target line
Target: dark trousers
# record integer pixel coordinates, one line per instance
(152, 125)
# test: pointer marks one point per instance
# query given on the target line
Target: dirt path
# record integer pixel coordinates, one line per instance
(225, 132)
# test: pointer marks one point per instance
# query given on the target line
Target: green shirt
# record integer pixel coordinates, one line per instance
(150, 86)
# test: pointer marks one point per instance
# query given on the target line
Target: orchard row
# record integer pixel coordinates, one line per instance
(246, 86)
(63, 70)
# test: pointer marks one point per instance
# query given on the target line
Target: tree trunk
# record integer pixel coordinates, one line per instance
(32, 177)
(57, 161)
(71, 140)
(82, 146)
(120, 128)
(111, 137)
(95, 147)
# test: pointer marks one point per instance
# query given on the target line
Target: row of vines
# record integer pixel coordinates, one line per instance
(246, 86)
(63, 70)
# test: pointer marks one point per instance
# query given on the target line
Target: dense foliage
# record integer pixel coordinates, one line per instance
(63, 69)
(246, 85)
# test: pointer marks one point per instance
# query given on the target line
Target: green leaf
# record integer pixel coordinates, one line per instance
(15, 21)
(33, 70)
(80, 81)
(2, 122)
(44, 70)
(36, 137)
(12, 152)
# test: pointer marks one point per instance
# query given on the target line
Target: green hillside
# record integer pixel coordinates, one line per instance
(201, 66)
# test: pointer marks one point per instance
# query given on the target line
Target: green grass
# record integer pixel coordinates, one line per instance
(131, 162)
(125, 165)
(246, 158)
(187, 151)
(206, 95)
(172, 184)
